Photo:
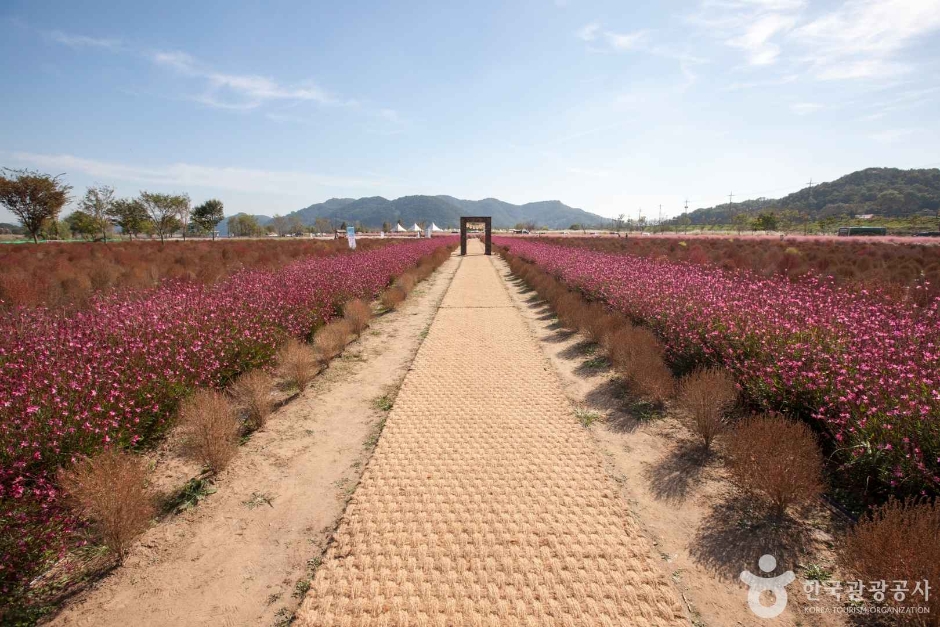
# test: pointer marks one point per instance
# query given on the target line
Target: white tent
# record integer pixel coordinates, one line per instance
(415, 228)
(399, 229)
(436, 229)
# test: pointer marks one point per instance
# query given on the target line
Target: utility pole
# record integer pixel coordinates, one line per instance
(808, 207)
(731, 210)
(660, 220)
(639, 212)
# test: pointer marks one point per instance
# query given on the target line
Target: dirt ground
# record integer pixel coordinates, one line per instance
(702, 529)
(244, 555)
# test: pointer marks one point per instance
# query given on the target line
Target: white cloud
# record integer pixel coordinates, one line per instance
(186, 175)
(251, 89)
(626, 41)
(862, 37)
(588, 172)
(756, 39)
(891, 135)
(588, 32)
(81, 41)
(770, 82)
(805, 108)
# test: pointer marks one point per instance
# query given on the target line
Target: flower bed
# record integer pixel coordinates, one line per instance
(112, 374)
(864, 365)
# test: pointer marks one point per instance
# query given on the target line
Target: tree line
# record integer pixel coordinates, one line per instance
(37, 199)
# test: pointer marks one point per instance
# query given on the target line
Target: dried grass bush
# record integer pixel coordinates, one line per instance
(357, 313)
(252, 393)
(330, 339)
(898, 542)
(111, 490)
(777, 460)
(638, 356)
(406, 282)
(603, 325)
(210, 429)
(569, 309)
(706, 396)
(297, 364)
(392, 297)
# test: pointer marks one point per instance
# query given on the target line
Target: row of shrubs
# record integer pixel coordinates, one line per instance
(110, 491)
(775, 459)
(69, 274)
(907, 270)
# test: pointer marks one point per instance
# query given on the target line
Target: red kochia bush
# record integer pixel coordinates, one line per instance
(861, 362)
(56, 274)
(113, 373)
(898, 542)
(111, 491)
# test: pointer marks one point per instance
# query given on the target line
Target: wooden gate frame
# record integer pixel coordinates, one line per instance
(488, 240)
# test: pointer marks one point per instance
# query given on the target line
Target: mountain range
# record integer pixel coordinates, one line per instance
(445, 211)
(888, 192)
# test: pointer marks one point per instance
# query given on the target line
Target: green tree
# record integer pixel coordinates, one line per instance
(33, 197)
(83, 224)
(243, 225)
(208, 215)
(765, 221)
(183, 211)
(890, 201)
(164, 211)
(322, 225)
(129, 214)
(98, 203)
(741, 221)
(278, 225)
(295, 225)
(386, 227)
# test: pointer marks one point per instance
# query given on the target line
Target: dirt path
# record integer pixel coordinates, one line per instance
(485, 502)
(237, 558)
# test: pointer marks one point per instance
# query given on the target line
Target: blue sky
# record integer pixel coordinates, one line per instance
(609, 106)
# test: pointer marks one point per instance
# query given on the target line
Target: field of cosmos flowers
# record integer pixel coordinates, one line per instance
(74, 381)
(861, 363)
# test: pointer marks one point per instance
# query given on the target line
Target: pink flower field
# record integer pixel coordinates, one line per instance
(859, 363)
(113, 373)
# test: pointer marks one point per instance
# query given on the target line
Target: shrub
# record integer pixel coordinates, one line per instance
(252, 393)
(210, 429)
(330, 340)
(73, 383)
(111, 490)
(297, 364)
(602, 325)
(358, 313)
(393, 297)
(777, 459)
(406, 282)
(707, 395)
(808, 347)
(638, 356)
(897, 542)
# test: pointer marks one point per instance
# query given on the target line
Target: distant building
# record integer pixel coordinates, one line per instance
(867, 216)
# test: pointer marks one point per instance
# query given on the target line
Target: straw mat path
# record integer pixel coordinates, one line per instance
(485, 502)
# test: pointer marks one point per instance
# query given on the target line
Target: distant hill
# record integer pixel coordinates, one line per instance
(445, 211)
(888, 192)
